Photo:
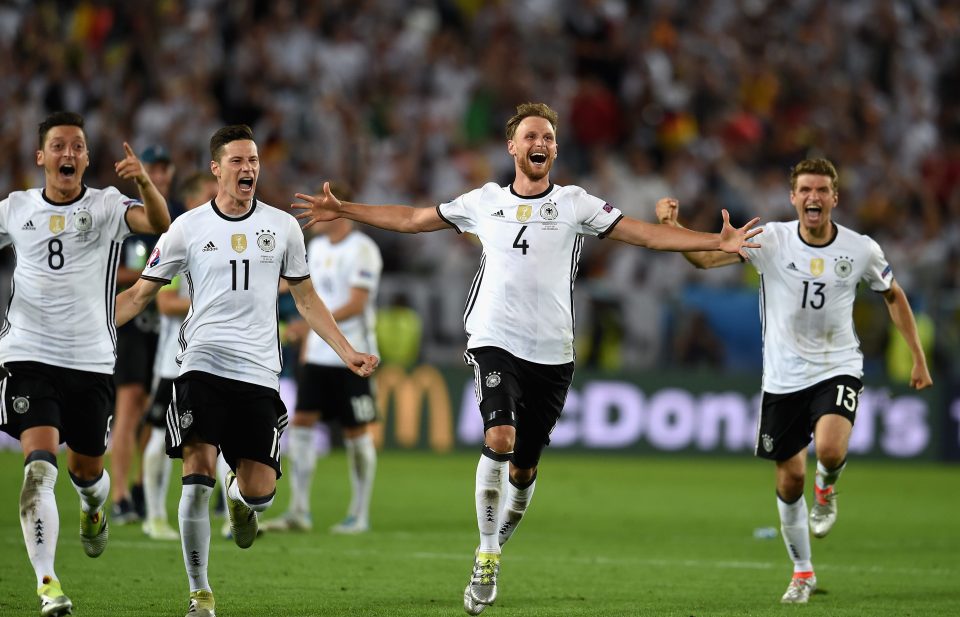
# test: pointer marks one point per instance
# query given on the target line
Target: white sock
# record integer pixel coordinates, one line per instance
(362, 465)
(222, 469)
(514, 506)
(94, 494)
(490, 473)
(828, 477)
(795, 529)
(194, 518)
(257, 504)
(303, 461)
(39, 518)
(156, 475)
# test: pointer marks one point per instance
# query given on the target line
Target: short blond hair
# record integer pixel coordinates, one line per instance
(528, 110)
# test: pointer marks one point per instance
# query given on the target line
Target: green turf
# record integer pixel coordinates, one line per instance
(605, 536)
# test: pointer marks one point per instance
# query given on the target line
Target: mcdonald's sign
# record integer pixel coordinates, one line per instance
(423, 391)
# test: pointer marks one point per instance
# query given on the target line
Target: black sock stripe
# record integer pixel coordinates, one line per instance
(199, 478)
(41, 455)
(84, 483)
(497, 456)
(521, 486)
(780, 497)
(255, 501)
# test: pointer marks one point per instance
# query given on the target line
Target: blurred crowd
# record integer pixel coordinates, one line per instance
(711, 101)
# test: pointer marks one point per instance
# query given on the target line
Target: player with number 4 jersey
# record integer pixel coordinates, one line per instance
(232, 253)
(812, 365)
(519, 314)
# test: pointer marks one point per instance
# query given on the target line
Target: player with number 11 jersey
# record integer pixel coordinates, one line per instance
(232, 266)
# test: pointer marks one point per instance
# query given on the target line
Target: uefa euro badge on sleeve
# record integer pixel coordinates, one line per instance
(238, 242)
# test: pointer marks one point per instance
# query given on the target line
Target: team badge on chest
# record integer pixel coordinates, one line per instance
(57, 223)
(238, 242)
(82, 220)
(266, 240)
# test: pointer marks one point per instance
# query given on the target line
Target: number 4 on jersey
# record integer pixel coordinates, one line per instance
(517, 244)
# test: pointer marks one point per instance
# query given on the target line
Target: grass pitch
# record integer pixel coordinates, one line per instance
(605, 536)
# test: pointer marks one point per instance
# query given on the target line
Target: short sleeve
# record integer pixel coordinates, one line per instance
(878, 274)
(769, 241)
(295, 255)
(169, 256)
(596, 217)
(117, 204)
(367, 265)
(461, 213)
(173, 285)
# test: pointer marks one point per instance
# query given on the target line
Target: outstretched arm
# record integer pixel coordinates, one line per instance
(906, 324)
(153, 218)
(326, 207)
(316, 314)
(667, 210)
(675, 238)
(132, 301)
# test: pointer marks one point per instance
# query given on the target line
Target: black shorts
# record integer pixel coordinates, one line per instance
(243, 420)
(524, 394)
(79, 404)
(136, 352)
(160, 399)
(337, 393)
(787, 420)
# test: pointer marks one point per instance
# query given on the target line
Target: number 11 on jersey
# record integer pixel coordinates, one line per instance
(246, 274)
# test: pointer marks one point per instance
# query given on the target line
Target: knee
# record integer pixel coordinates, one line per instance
(522, 477)
(790, 485)
(500, 438)
(831, 456)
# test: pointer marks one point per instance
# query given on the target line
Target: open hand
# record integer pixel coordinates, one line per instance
(733, 240)
(318, 208)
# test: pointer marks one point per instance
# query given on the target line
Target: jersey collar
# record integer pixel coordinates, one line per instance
(836, 232)
(543, 194)
(233, 219)
(83, 191)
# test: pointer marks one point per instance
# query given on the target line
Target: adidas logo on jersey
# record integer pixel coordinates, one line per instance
(498, 214)
(29, 226)
(209, 247)
(790, 266)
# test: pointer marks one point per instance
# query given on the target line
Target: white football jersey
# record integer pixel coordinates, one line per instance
(232, 266)
(168, 344)
(61, 309)
(521, 299)
(806, 303)
(335, 269)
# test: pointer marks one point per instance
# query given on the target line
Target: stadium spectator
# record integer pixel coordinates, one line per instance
(226, 396)
(173, 303)
(810, 269)
(345, 267)
(57, 385)
(519, 315)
